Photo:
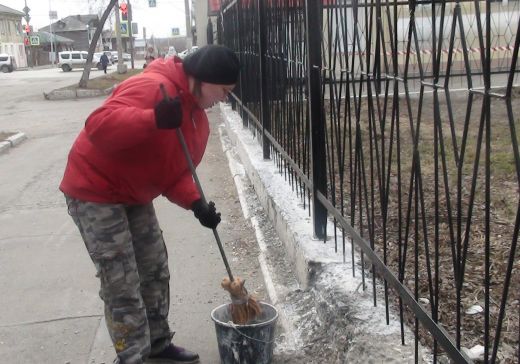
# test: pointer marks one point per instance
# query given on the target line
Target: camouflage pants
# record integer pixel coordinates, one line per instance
(126, 245)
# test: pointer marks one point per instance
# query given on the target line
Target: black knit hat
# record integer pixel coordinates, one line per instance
(213, 64)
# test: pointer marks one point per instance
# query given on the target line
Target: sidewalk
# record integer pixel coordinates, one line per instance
(51, 311)
(44, 66)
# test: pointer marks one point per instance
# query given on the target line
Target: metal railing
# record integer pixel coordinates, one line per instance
(398, 120)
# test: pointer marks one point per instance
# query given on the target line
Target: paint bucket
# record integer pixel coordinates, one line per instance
(245, 344)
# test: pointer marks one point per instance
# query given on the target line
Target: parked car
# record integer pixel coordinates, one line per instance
(109, 55)
(7, 63)
(115, 57)
(68, 60)
(96, 59)
(185, 52)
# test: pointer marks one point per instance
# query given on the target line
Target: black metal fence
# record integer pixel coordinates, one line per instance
(398, 119)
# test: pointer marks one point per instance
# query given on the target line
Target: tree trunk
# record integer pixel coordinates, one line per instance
(92, 47)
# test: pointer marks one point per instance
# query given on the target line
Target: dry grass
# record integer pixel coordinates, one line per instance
(4, 135)
(105, 81)
(435, 229)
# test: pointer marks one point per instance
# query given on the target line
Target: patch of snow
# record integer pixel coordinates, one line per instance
(475, 353)
(473, 310)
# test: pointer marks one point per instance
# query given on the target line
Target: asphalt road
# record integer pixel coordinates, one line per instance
(50, 311)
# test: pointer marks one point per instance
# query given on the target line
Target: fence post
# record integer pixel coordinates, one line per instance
(264, 104)
(238, 47)
(313, 19)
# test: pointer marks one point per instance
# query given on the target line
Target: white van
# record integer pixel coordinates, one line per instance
(68, 60)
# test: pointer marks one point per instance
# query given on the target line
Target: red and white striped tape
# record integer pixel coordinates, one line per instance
(457, 50)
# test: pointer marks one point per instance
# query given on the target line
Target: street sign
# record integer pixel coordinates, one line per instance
(53, 14)
(34, 40)
(135, 28)
(124, 28)
(175, 31)
(152, 3)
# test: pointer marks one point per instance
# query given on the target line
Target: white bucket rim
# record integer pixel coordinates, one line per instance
(230, 324)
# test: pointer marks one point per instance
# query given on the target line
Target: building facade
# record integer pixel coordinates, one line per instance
(11, 35)
(78, 28)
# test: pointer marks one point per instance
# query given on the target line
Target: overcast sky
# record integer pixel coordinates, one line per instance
(158, 21)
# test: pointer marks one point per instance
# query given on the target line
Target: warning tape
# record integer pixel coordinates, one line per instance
(457, 50)
(445, 51)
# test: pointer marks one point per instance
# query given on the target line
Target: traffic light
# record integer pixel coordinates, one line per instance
(124, 11)
(27, 29)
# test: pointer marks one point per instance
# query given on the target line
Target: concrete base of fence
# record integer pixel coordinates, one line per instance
(357, 328)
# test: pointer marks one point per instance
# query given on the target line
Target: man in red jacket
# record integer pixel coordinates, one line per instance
(126, 155)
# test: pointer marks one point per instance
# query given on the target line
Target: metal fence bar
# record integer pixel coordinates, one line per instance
(319, 179)
(262, 50)
(404, 293)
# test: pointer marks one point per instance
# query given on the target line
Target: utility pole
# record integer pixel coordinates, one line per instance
(188, 24)
(130, 35)
(27, 48)
(121, 66)
(144, 37)
(51, 16)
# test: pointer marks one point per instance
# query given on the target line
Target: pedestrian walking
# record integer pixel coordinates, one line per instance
(104, 62)
(126, 155)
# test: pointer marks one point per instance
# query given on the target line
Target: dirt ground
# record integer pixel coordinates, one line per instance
(4, 135)
(426, 236)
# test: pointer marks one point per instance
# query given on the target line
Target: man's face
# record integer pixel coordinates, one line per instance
(210, 94)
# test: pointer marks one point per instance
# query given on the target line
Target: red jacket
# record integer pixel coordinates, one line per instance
(121, 157)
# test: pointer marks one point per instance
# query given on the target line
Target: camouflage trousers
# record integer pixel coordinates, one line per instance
(126, 245)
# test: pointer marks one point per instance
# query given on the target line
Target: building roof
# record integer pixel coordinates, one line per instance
(6, 10)
(73, 23)
(45, 38)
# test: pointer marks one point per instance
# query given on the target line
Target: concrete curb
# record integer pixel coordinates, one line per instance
(76, 93)
(356, 328)
(12, 141)
(4, 147)
(292, 223)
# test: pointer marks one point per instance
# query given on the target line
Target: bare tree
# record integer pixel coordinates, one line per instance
(92, 47)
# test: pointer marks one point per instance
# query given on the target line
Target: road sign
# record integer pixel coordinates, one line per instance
(34, 40)
(135, 28)
(53, 14)
(124, 28)
(175, 31)
(151, 3)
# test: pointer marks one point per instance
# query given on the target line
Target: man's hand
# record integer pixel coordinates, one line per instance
(168, 113)
(206, 213)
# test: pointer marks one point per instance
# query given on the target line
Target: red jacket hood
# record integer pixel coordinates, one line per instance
(173, 70)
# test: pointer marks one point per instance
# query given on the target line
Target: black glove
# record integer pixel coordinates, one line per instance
(206, 213)
(168, 113)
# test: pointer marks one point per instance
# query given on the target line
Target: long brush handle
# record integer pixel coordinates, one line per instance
(180, 136)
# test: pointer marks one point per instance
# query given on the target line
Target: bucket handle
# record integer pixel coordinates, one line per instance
(232, 324)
